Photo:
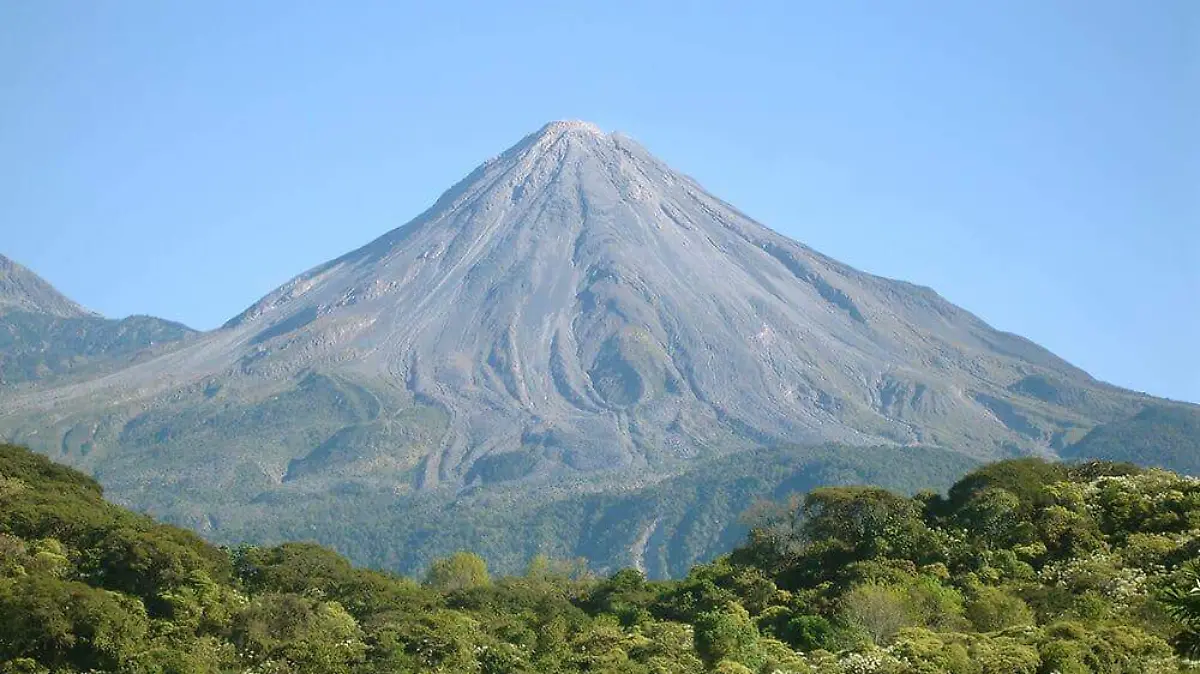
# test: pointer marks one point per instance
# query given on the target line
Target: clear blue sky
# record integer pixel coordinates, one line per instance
(1034, 161)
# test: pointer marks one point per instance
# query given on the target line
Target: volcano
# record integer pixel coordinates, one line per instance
(574, 317)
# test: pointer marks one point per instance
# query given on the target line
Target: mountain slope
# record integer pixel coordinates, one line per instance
(662, 528)
(36, 346)
(23, 290)
(1160, 435)
(573, 317)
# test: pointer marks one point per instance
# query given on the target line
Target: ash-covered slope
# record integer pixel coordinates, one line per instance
(577, 293)
(23, 290)
(573, 315)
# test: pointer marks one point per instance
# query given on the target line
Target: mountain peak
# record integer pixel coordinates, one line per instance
(558, 137)
(23, 290)
(562, 135)
(561, 126)
(575, 279)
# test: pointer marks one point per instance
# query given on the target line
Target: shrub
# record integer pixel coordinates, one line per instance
(724, 633)
(992, 609)
(460, 571)
(880, 611)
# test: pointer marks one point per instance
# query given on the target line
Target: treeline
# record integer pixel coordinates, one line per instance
(694, 515)
(1023, 567)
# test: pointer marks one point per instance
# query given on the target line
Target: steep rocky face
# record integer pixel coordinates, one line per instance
(573, 315)
(23, 290)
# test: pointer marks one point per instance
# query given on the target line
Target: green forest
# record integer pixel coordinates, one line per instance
(1021, 567)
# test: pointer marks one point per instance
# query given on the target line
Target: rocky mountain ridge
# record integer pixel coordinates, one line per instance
(23, 290)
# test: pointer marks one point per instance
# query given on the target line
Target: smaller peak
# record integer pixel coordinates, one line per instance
(23, 290)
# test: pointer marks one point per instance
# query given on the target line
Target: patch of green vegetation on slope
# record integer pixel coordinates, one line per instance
(695, 516)
(1024, 568)
(35, 346)
(1159, 435)
(664, 528)
(211, 451)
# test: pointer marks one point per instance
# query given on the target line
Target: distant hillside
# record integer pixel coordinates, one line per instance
(662, 528)
(47, 337)
(1165, 436)
(36, 346)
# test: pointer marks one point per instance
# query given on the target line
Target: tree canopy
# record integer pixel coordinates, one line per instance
(1024, 566)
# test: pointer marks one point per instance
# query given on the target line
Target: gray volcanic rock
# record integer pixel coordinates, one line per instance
(23, 290)
(572, 316)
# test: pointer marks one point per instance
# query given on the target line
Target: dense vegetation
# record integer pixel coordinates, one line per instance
(35, 345)
(1022, 567)
(665, 527)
